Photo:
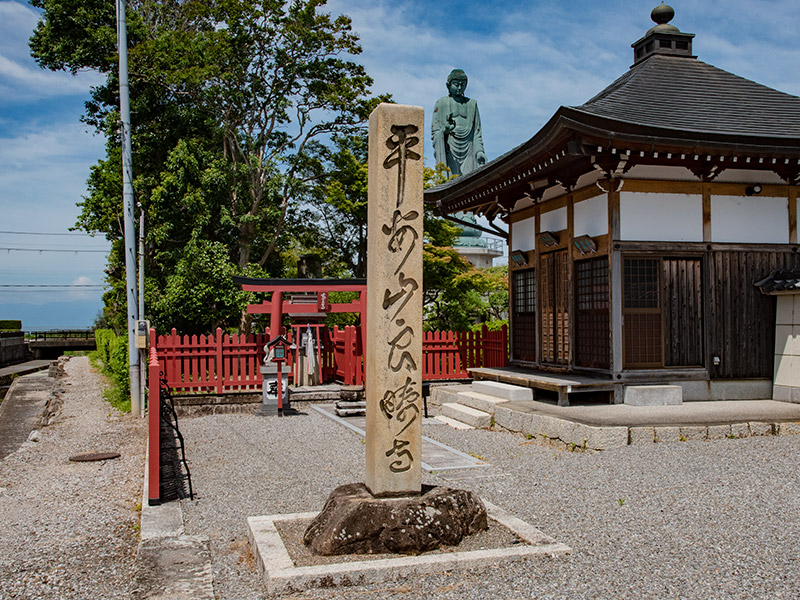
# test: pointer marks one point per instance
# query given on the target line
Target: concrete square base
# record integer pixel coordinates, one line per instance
(282, 576)
(653, 395)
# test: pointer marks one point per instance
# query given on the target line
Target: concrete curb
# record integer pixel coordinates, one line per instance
(281, 576)
(11, 375)
(576, 435)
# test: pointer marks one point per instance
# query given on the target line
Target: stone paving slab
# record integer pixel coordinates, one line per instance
(170, 564)
(435, 455)
(281, 576)
(32, 366)
(21, 410)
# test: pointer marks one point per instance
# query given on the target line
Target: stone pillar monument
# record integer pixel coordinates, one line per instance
(390, 512)
(394, 301)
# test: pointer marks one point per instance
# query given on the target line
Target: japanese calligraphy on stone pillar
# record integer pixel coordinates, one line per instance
(394, 301)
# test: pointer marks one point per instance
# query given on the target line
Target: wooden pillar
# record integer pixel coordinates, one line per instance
(706, 212)
(615, 265)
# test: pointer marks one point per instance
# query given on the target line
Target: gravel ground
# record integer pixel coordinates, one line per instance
(698, 519)
(69, 529)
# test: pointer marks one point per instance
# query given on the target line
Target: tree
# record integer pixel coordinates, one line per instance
(338, 208)
(232, 104)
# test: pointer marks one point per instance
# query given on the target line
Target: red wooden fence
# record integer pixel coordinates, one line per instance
(222, 362)
(213, 363)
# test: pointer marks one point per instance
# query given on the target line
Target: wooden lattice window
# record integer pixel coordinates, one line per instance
(642, 332)
(592, 335)
(523, 336)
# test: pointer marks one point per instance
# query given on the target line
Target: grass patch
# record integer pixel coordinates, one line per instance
(113, 393)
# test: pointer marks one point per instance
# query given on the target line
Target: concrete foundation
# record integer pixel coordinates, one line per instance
(653, 395)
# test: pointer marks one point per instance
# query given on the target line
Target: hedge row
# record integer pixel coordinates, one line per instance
(113, 351)
(10, 324)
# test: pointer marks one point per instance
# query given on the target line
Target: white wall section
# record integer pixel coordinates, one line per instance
(661, 217)
(591, 216)
(750, 219)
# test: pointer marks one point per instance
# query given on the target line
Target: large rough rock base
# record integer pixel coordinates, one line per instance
(354, 522)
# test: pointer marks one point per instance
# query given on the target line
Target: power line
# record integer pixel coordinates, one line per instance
(49, 250)
(44, 233)
(54, 285)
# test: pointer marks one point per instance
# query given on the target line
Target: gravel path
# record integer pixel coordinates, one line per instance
(716, 519)
(69, 529)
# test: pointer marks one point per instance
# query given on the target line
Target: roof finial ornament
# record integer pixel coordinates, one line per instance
(662, 14)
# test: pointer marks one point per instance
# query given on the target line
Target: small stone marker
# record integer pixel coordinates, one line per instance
(394, 301)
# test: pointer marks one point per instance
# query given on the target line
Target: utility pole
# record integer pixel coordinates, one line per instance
(127, 196)
(143, 351)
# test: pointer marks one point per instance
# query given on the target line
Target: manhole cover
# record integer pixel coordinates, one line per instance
(94, 456)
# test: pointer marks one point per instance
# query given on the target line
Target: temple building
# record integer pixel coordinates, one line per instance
(639, 223)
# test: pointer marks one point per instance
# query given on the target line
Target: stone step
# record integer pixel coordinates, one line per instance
(351, 412)
(479, 401)
(452, 422)
(446, 393)
(502, 390)
(349, 405)
(465, 414)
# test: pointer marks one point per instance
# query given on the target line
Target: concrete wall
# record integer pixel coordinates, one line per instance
(12, 349)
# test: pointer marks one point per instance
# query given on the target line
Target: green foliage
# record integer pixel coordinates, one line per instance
(112, 354)
(233, 105)
(10, 325)
(457, 294)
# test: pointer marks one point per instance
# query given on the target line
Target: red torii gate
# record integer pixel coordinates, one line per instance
(276, 307)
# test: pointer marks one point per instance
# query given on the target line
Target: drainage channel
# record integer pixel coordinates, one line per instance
(435, 455)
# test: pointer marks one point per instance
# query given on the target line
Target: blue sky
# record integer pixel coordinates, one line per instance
(524, 60)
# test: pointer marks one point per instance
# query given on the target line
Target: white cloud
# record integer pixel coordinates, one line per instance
(526, 58)
(16, 25)
(35, 82)
(21, 78)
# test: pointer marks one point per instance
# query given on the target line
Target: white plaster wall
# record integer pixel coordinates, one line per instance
(554, 220)
(786, 383)
(553, 192)
(588, 179)
(591, 216)
(750, 219)
(748, 175)
(661, 217)
(659, 172)
(523, 234)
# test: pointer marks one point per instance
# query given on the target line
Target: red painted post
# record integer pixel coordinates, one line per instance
(488, 355)
(218, 360)
(505, 345)
(276, 313)
(280, 390)
(349, 356)
(154, 427)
